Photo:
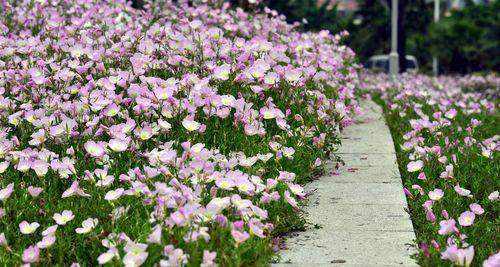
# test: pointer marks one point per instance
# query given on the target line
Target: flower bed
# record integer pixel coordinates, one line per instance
(177, 135)
(446, 136)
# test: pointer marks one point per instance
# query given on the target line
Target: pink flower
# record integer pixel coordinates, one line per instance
(427, 205)
(50, 230)
(191, 125)
(256, 227)
(87, 226)
(450, 114)
(448, 173)
(296, 189)
(114, 194)
(34, 191)
(268, 113)
(96, 150)
(414, 166)
(466, 218)
(208, 259)
(436, 194)
(74, 190)
(290, 199)
(23, 165)
(37, 76)
(6, 192)
(255, 72)
(3, 166)
(222, 72)
(28, 228)
(239, 237)
(225, 183)
(271, 78)
(460, 257)
(40, 167)
(47, 241)
(31, 254)
(494, 196)
(107, 256)
(286, 176)
(462, 191)
(118, 145)
(3, 240)
(430, 216)
(155, 236)
(64, 217)
(476, 208)
(136, 254)
(447, 227)
(293, 76)
(492, 261)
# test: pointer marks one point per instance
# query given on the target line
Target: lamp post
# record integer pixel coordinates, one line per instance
(435, 69)
(393, 56)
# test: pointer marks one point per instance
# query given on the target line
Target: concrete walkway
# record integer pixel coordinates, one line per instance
(356, 218)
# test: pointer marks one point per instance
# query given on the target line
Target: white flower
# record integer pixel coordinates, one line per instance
(87, 226)
(28, 228)
(64, 217)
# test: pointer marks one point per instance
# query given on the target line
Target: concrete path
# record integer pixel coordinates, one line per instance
(356, 218)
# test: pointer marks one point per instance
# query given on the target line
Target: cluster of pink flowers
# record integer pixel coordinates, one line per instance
(437, 141)
(110, 102)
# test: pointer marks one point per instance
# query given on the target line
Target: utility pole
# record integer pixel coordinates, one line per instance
(435, 69)
(393, 56)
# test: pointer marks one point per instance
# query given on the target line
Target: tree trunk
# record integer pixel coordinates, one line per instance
(402, 35)
(138, 4)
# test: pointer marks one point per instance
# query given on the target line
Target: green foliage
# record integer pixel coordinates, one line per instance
(318, 16)
(372, 35)
(467, 40)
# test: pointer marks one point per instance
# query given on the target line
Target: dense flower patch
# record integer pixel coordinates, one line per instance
(446, 134)
(176, 135)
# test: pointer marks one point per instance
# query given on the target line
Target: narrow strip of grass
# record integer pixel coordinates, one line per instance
(473, 170)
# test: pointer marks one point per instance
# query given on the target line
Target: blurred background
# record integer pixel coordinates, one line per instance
(464, 40)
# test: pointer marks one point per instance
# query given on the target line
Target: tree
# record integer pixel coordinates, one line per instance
(372, 36)
(139, 4)
(467, 40)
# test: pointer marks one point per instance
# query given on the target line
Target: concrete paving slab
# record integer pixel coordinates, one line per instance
(365, 174)
(360, 193)
(365, 159)
(356, 218)
(353, 247)
(386, 217)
